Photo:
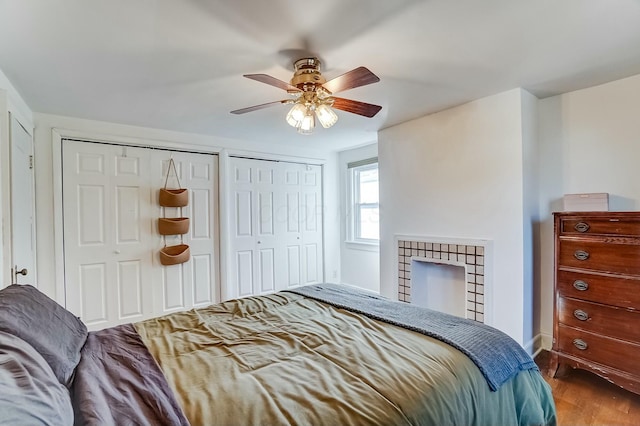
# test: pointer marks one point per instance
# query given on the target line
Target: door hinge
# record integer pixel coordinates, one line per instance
(31, 162)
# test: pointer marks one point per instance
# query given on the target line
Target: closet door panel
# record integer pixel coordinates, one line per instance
(256, 251)
(111, 242)
(311, 189)
(202, 279)
(293, 265)
(276, 225)
(192, 284)
(244, 272)
(130, 288)
(266, 266)
(91, 289)
(173, 289)
(107, 226)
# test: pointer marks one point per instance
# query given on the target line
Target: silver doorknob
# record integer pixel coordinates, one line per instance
(23, 271)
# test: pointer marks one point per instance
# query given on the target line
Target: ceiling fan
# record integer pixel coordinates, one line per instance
(312, 95)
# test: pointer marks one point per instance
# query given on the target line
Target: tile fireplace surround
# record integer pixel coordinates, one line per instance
(469, 253)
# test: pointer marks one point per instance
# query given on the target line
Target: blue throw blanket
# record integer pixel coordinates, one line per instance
(497, 355)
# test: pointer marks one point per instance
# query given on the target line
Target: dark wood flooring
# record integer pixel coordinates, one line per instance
(584, 399)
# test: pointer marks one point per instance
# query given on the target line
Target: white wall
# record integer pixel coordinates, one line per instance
(530, 221)
(459, 173)
(589, 142)
(359, 264)
(45, 176)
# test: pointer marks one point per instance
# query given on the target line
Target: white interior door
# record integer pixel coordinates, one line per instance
(311, 224)
(23, 252)
(190, 284)
(256, 247)
(111, 240)
(303, 231)
(275, 237)
(107, 233)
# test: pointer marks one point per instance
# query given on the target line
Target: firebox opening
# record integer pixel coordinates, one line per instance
(440, 286)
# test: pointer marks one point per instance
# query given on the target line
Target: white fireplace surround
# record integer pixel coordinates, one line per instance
(474, 254)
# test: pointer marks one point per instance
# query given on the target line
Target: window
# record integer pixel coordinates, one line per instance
(363, 195)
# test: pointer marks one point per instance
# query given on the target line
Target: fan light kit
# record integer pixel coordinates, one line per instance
(312, 95)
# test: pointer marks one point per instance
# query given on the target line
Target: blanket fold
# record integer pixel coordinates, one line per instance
(497, 355)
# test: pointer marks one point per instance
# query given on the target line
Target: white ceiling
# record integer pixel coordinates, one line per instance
(178, 64)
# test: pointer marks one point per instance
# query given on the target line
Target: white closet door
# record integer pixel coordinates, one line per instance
(190, 284)
(255, 247)
(302, 189)
(268, 250)
(292, 232)
(107, 232)
(311, 224)
(113, 273)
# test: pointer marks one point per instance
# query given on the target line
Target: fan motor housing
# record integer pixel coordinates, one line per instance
(307, 74)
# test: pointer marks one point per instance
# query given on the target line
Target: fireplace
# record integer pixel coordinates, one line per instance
(469, 260)
(439, 284)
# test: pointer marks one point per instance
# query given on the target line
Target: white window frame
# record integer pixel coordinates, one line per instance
(353, 210)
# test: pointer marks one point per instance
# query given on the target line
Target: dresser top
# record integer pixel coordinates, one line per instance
(598, 214)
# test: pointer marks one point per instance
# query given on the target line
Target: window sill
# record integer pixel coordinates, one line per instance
(361, 245)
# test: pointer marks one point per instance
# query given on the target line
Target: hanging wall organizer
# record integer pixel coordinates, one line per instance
(176, 254)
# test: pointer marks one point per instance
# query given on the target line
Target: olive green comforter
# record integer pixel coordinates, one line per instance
(285, 359)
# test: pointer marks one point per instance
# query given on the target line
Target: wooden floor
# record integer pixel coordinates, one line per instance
(583, 399)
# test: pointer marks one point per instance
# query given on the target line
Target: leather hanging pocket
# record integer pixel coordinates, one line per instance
(178, 197)
(173, 225)
(174, 255)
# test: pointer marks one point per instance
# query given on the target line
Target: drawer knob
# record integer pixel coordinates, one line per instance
(580, 285)
(580, 344)
(581, 255)
(581, 227)
(581, 315)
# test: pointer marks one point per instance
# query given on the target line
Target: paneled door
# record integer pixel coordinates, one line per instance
(310, 189)
(111, 243)
(190, 284)
(23, 251)
(256, 246)
(275, 227)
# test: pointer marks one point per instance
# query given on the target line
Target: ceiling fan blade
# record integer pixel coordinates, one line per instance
(257, 107)
(267, 79)
(356, 107)
(360, 76)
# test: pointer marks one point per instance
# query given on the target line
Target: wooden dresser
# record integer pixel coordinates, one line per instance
(597, 295)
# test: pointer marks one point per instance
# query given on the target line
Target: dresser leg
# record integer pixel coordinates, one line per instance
(554, 365)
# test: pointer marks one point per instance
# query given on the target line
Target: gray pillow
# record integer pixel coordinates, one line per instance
(54, 332)
(30, 393)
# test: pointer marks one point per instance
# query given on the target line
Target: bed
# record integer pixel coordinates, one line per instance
(318, 355)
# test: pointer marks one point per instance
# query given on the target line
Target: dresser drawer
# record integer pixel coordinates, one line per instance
(599, 256)
(622, 292)
(600, 319)
(603, 226)
(600, 349)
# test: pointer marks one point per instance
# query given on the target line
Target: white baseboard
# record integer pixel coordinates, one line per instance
(538, 343)
(547, 341)
(533, 346)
